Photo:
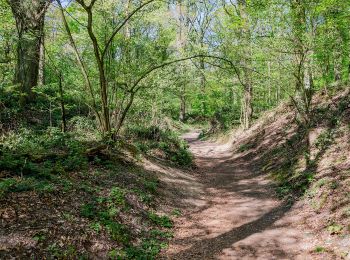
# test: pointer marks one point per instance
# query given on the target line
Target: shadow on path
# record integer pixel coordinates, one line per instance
(211, 247)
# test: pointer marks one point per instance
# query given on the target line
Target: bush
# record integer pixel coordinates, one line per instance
(39, 156)
(163, 221)
(153, 138)
(84, 128)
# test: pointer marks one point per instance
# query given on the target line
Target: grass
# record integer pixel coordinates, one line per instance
(320, 249)
(162, 221)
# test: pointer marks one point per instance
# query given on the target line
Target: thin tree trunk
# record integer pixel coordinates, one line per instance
(50, 114)
(63, 109)
(247, 107)
(88, 84)
(41, 73)
(203, 86)
(124, 113)
(246, 61)
(183, 103)
(338, 61)
(106, 125)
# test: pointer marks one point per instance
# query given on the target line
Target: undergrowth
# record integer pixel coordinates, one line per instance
(53, 164)
(154, 138)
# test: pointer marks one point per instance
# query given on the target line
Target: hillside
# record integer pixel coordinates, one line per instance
(69, 196)
(276, 145)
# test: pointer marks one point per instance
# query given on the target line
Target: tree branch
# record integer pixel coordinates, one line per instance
(116, 30)
(149, 71)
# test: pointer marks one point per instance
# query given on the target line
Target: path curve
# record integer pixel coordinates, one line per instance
(241, 217)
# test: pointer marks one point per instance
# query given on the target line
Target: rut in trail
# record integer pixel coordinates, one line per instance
(238, 215)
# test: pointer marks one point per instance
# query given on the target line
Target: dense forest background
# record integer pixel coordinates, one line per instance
(135, 63)
(88, 87)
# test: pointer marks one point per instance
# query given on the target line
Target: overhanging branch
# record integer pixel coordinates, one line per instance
(149, 71)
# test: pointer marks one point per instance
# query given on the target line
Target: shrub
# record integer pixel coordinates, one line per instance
(153, 137)
(41, 154)
(117, 196)
(163, 221)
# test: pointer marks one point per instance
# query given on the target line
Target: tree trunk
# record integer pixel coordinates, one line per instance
(41, 72)
(338, 61)
(88, 84)
(182, 116)
(247, 107)
(181, 43)
(203, 86)
(302, 62)
(63, 109)
(247, 63)
(29, 16)
(106, 124)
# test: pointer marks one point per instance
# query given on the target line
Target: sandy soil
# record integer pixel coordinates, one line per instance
(237, 215)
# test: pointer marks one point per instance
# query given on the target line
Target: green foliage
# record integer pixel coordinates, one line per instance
(40, 237)
(150, 138)
(151, 185)
(320, 249)
(6, 185)
(104, 211)
(88, 210)
(335, 228)
(148, 250)
(273, 54)
(113, 254)
(117, 196)
(117, 232)
(163, 221)
(176, 213)
(159, 234)
(324, 140)
(246, 147)
(96, 226)
(38, 159)
(68, 252)
(25, 184)
(27, 151)
(144, 196)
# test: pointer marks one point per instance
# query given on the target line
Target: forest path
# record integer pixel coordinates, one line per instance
(240, 217)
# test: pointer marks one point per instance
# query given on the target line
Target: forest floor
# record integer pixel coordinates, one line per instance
(236, 214)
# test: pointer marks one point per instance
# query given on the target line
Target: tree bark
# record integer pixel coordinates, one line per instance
(303, 62)
(88, 84)
(41, 72)
(63, 109)
(247, 106)
(182, 116)
(99, 57)
(247, 101)
(29, 16)
(203, 86)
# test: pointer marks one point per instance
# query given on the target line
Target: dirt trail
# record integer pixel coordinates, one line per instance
(239, 217)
